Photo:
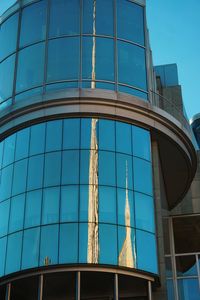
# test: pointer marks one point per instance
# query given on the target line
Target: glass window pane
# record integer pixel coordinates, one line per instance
(6, 182)
(86, 133)
(83, 242)
(188, 289)
(141, 143)
(19, 177)
(30, 254)
(87, 45)
(131, 91)
(123, 138)
(88, 13)
(68, 252)
(37, 133)
(4, 215)
(8, 28)
(130, 21)
(14, 248)
(84, 198)
(52, 169)
(105, 17)
(63, 62)
(107, 172)
(53, 136)
(50, 208)
(9, 150)
(69, 204)
(142, 176)
(125, 206)
(33, 208)
(32, 95)
(131, 65)
(3, 242)
(6, 78)
(124, 171)
(71, 134)
(108, 244)
(49, 245)
(17, 213)
(64, 17)
(107, 135)
(30, 70)
(61, 86)
(186, 265)
(146, 256)
(84, 167)
(1, 152)
(170, 290)
(25, 288)
(107, 205)
(126, 247)
(32, 31)
(35, 172)
(70, 167)
(22, 143)
(144, 212)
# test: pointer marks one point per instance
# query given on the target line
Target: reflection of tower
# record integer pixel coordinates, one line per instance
(93, 235)
(94, 46)
(126, 256)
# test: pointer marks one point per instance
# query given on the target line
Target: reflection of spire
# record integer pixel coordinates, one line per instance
(126, 257)
(94, 46)
(93, 234)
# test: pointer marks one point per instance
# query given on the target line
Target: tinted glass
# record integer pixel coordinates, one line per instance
(19, 177)
(6, 77)
(6, 182)
(126, 247)
(30, 67)
(3, 242)
(144, 212)
(107, 205)
(108, 244)
(37, 133)
(141, 143)
(131, 91)
(13, 259)
(86, 134)
(22, 143)
(50, 208)
(17, 213)
(30, 252)
(68, 236)
(9, 150)
(107, 135)
(106, 168)
(4, 214)
(70, 169)
(49, 245)
(123, 138)
(52, 169)
(142, 176)
(33, 208)
(125, 206)
(53, 136)
(69, 204)
(105, 17)
(186, 265)
(124, 171)
(71, 134)
(188, 289)
(35, 172)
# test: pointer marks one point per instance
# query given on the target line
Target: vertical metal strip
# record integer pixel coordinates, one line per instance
(78, 285)
(149, 291)
(8, 291)
(116, 291)
(40, 289)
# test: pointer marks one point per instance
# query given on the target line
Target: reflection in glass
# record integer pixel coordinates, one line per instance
(141, 143)
(52, 169)
(4, 216)
(122, 195)
(84, 196)
(188, 289)
(170, 290)
(71, 134)
(142, 176)
(124, 171)
(105, 17)
(83, 242)
(22, 143)
(70, 167)
(9, 150)
(17, 213)
(132, 91)
(107, 204)
(49, 245)
(186, 265)
(13, 258)
(33, 208)
(68, 251)
(30, 252)
(3, 242)
(6, 182)
(123, 138)
(53, 136)
(107, 135)
(144, 212)
(69, 203)
(35, 172)
(168, 267)
(107, 174)
(6, 78)
(50, 207)
(37, 133)
(19, 177)
(108, 244)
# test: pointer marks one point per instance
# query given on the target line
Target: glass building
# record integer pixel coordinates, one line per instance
(95, 156)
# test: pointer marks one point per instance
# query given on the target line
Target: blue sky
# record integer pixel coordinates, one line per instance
(174, 27)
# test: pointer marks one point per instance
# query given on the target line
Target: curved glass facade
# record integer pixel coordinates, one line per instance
(72, 44)
(77, 191)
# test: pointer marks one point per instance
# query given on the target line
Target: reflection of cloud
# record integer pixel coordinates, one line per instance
(93, 229)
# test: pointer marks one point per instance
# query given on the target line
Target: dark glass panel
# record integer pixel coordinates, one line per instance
(144, 212)
(188, 289)
(26, 288)
(123, 138)
(69, 203)
(71, 134)
(17, 213)
(107, 244)
(33, 208)
(141, 143)
(132, 288)
(3, 242)
(70, 167)
(142, 171)
(64, 17)
(7, 68)
(53, 136)
(52, 169)
(19, 177)
(37, 133)
(9, 150)
(4, 216)
(35, 172)
(22, 143)
(124, 171)
(107, 135)
(50, 207)
(107, 174)
(166, 236)
(2, 290)
(125, 205)
(186, 265)
(30, 254)
(107, 205)
(6, 182)
(68, 251)
(168, 267)
(32, 30)
(14, 249)
(63, 59)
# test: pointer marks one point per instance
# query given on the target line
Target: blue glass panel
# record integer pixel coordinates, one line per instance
(52, 169)
(144, 212)
(6, 77)
(84, 167)
(22, 143)
(105, 86)
(125, 206)
(188, 289)
(17, 213)
(124, 171)
(8, 29)
(50, 208)
(30, 70)
(88, 16)
(170, 290)
(30, 254)
(3, 243)
(107, 205)
(63, 59)
(71, 134)
(1, 152)
(87, 44)
(105, 59)
(14, 248)
(64, 17)
(35, 172)
(37, 133)
(107, 135)
(142, 176)
(70, 167)
(33, 208)
(69, 204)
(131, 91)
(107, 172)
(146, 256)
(53, 136)
(141, 143)
(104, 17)
(6, 182)
(123, 138)
(83, 242)
(9, 150)
(131, 65)
(19, 177)
(186, 266)
(61, 86)
(126, 247)
(108, 244)
(32, 31)
(84, 197)
(68, 252)
(5, 104)
(4, 215)
(130, 21)
(86, 133)
(33, 95)
(49, 245)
